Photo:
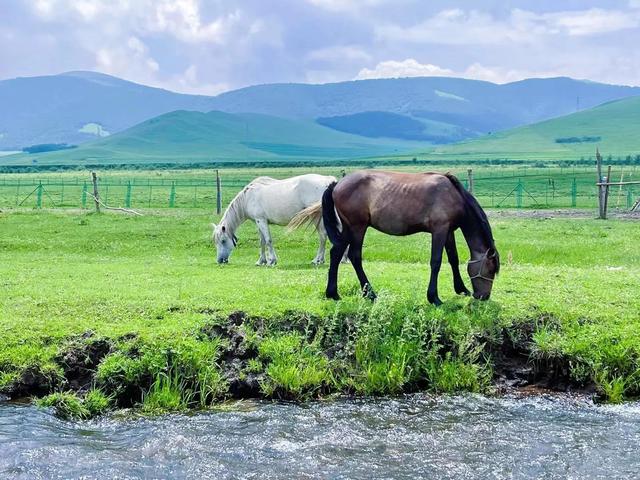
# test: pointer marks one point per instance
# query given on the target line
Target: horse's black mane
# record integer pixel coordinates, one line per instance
(476, 210)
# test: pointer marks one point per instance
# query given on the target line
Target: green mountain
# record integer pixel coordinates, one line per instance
(78, 107)
(194, 137)
(613, 127)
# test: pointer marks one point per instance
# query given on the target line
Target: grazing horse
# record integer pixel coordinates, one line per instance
(269, 201)
(403, 204)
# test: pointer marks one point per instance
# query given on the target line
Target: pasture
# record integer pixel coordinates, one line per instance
(135, 311)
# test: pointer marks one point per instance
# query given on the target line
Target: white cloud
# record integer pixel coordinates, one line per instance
(406, 68)
(473, 27)
(347, 5)
(412, 68)
(189, 82)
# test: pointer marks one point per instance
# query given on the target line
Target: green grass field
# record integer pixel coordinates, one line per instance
(149, 289)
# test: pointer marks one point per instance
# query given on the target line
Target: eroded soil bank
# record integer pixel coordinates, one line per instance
(298, 356)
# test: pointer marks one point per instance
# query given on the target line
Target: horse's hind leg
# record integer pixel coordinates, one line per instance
(355, 255)
(438, 240)
(322, 240)
(335, 254)
(452, 255)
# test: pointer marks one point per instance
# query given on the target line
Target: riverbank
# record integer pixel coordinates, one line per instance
(110, 311)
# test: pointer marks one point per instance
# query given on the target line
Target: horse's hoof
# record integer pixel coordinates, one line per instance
(259, 263)
(333, 296)
(367, 292)
(317, 262)
(436, 302)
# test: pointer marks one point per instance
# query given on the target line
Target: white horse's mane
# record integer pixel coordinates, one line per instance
(235, 213)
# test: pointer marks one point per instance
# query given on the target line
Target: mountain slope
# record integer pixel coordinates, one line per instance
(194, 137)
(77, 107)
(57, 108)
(613, 127)
(462, 107)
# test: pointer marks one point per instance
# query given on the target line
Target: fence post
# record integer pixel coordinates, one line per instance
(574, 192)
(127, 198)
(606, 193)
(601, 213)
(218, 193)
(172, 195)
(39, 196)
(519, 189)
(96, 195)
(62, 194)
(470, 183)
(84, 195)
(629, 198)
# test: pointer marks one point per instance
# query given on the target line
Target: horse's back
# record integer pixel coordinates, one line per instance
(398, 203)
(281, 200)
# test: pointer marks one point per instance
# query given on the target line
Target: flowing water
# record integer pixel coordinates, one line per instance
(412, 437)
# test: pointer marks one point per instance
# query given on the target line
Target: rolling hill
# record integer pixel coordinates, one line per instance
(613, 127)
(195, 137)
(78, 107)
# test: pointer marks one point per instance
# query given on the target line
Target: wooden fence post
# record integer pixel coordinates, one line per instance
(470, 176)
(218, 194)
(96, 195)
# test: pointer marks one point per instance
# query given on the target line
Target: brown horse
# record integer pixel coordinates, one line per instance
(404, 204)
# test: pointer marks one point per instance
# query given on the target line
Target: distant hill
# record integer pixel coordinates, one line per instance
(451, 109)
(78, 107)
(613, 127)
(194, 137)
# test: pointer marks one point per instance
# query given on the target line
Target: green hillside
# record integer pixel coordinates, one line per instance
(195, 137)
(613, 127)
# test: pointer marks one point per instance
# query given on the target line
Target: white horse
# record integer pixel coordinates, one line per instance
(269, 201)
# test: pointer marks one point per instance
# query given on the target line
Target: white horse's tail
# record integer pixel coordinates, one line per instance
(309, 216)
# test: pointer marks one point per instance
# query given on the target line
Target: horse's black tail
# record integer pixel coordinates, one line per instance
(329, 215)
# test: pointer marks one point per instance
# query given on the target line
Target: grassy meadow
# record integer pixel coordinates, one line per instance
(146, 293)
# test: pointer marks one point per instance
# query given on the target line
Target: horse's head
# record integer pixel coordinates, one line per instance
(483, 271)
(224, 240)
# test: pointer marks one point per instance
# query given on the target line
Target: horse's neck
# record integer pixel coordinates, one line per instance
(236, 213)
(478, 245)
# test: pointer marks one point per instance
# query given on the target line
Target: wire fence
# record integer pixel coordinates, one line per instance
(553, 189)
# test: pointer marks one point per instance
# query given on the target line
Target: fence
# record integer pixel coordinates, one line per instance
(567, 189)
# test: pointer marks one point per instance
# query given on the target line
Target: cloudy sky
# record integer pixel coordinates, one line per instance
(209, 46)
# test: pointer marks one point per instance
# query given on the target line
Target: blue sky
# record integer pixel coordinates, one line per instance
(209, 46)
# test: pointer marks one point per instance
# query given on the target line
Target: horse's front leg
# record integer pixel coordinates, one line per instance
(454, 261)
(262, 260)
(263, 226)
(438, 240)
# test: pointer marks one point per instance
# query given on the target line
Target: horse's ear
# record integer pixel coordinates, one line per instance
(235, 240)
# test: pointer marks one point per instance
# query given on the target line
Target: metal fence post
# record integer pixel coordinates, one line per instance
(574, 192)
(84, 195)
(218, 194)
(39, 196)
(172, 195)
(127, 198)
(519, 189)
